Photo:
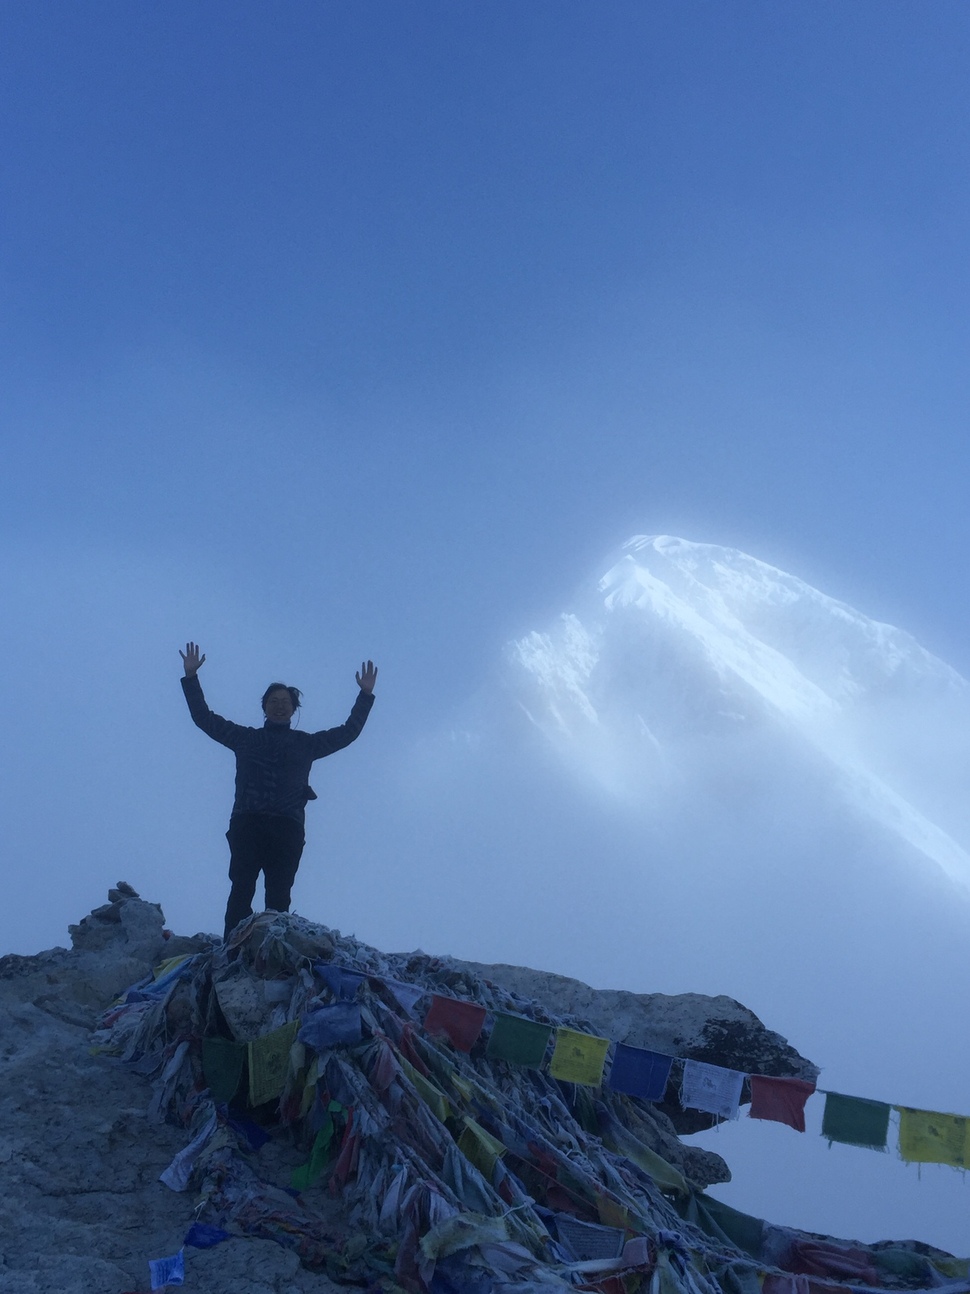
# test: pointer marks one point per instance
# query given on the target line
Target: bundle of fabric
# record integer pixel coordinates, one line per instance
(434, 1154)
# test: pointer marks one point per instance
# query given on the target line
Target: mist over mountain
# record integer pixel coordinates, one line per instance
(707, 776)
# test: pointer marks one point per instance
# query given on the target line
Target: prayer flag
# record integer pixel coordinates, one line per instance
(459, 1022)
(780, 1099)
(179, 1172)
(222, 1065)
(269, 1063)
(341, 982)
(167, 1271)
(640, 1073)
(711, 1088)
(309, 1173)
(202, 1236)
(518, 1040)
(855, 1121)
(433, 1097)
(480, 1148)
(929, 1138)
(578, 1057)
(336, 1025)
(586, 1241)
(407, 996)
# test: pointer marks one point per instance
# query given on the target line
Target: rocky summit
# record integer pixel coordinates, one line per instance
(296, 1111)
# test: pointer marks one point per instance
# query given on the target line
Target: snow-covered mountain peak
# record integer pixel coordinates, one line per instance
(679, 644)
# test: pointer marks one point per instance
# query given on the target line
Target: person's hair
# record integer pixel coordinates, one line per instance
(295, 694)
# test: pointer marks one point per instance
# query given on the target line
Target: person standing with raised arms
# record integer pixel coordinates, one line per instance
(266, 828)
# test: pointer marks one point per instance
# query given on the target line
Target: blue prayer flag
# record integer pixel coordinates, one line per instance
(640, 1073)
(202, 1236)
(341, 982)
(167, 1271)
(337, 1025)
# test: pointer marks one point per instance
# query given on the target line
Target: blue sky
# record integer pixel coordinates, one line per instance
(332, 330)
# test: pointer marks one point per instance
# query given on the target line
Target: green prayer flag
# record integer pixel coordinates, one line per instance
(518, 1040)
(855, 1121)
(269, 1063)
(309, 1173)
(222, 1065)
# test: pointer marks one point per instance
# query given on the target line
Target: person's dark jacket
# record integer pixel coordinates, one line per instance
(273, 762)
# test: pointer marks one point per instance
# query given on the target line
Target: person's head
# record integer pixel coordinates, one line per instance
(280, 702)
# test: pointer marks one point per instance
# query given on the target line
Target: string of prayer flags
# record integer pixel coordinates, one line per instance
(929, 1138)
(336, 1025)
(459, 1022)
(640, 1073)
(480, 1148)
(167, 1271)
(578, 1057)
(222, 1065)
(712, 1089)
(780, 1099)
(269, 1063)
(518, 1040)
(855, 1121)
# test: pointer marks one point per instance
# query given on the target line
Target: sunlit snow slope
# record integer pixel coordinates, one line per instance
(685, 647)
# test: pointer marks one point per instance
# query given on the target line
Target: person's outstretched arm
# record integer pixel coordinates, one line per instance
(331, 739)
(213, 725)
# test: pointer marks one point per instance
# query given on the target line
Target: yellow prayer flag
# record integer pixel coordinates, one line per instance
(480, 1148)
(269, 1063)
(929, 1138)
(433, 1097)
(578, 1057)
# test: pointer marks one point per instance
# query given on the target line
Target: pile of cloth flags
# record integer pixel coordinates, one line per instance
(477, 1143)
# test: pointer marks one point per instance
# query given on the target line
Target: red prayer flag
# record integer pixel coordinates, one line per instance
(780, 1099)
(459, 1022)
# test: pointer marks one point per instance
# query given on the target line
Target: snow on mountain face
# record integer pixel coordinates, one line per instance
(681, 645)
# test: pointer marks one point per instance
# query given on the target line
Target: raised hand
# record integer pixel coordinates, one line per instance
(192, 661)
(366, 675)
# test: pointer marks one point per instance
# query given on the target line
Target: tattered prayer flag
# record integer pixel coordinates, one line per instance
(780, 1099)
(179, 1172)
(308, 1174)
(585, 1241)
(167, 1271)
(480, 1148)
(269, 1063)
(459, 1022)
(518, 1040)
(638, 1072)
(407, 996)
(433, 1097)
(202, 1236)
(855, 1121)
(341, 982)
(578, 1057)
(222, 1065)
(929, 1138)
(711, 1088)
(337, 1025)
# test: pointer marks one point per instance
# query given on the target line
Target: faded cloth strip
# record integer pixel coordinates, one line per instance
(520, 1041)
(167, 1271)
(578, 1057)
(459, 1022)
(929, 1138)
(222, 1065)
(269, 1063)
(640, 1073)
(337, 1025)
(855, 1121)
(780, 1099)
(711, 1088)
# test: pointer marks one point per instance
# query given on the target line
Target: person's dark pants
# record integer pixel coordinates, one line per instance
(267, 843)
